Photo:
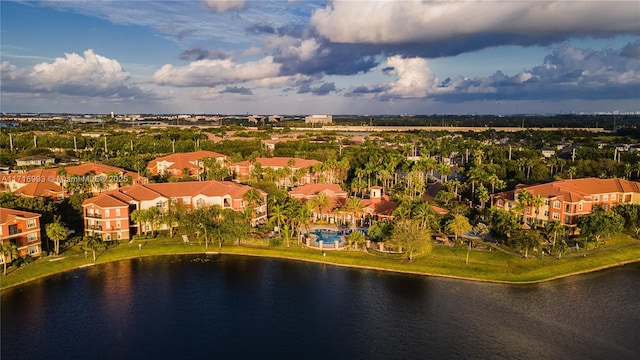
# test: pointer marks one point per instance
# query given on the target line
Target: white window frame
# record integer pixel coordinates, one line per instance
(33, 250)
(107, 213)
(556, 216)
(31, 223)
(557, 205)
(605, 197)
(32, 237)
(117, 212)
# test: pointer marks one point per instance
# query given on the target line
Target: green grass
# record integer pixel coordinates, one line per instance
(443, 261)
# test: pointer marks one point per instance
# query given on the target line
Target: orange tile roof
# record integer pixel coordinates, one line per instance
(139, 192)
(97, 169)
(7, 215)
(39, 189)
(331, 190)
(105, 201)
(280, 162)
(575, 190)
(186, 160)
(142, 192)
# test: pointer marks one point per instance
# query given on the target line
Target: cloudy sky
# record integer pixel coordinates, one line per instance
(327, 57)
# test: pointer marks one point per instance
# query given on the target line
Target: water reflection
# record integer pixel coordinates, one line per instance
(243, 307)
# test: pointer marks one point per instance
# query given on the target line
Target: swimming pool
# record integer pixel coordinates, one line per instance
(330, 236)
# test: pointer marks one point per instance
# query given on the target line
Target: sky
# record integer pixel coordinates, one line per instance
(364, 57)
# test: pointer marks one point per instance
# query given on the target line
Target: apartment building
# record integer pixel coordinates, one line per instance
(567, 200)
(300, 170)
(184, 164)
(109, 214)
(21, 228)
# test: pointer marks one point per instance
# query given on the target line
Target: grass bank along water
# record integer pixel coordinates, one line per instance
(491, 266)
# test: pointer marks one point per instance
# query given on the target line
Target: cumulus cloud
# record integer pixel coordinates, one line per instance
(323, 89)
(568, 73)
(200, 53)
(237, 90)
(209, 73)
(89, 74)
(417, 21)
(415, 78)
(224, 5)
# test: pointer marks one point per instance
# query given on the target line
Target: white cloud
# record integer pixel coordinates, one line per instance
(84, 75)
(290, 47)
(416, 21)
(225, 5)
(415, 78)
(568, 73)
(209, 73)
(92, 70)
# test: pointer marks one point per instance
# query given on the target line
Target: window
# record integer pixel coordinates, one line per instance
(117, 212)
(108, 237)
(31, 223)
(119, 236)
(605, 197)
(546, 213)
(160, 204)
(556, 204)
(596, 198)
(556, 216)
(89, 212)
(118, 224)
(33, 250)
(107, 213)
(500, 202)
(546, 202)
(32, 237)
(580, 206)
(605, 207)
(107, 225)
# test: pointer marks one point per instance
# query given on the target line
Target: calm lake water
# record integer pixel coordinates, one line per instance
(242, 307)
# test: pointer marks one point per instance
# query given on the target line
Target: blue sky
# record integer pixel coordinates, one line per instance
(338, 57)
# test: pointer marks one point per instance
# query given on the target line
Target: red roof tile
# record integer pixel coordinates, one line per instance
(7, 215)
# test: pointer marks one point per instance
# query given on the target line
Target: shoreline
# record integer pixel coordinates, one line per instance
(242, 252)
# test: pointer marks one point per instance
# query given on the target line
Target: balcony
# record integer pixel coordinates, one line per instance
(94, 227)
(14, 231)
(94, 215)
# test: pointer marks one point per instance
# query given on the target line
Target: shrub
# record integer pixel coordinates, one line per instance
(275, 241)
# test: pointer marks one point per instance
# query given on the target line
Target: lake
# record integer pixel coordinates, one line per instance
(245, 307)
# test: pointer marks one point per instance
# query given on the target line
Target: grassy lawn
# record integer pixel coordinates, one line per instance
(443, 261)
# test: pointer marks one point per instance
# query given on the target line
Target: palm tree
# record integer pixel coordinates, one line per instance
(253, 199)
(9, 252)
(572, 171)
(537, 201)
(93, 241)
(355, 207)
(483, 195)
(321, 202)
(423, 214)
(560, 248)
(56, 232)
(524, 199)
(277, 216)
(554, 228)
(138, 216)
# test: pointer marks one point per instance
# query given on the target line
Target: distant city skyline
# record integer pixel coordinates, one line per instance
(320, 57)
